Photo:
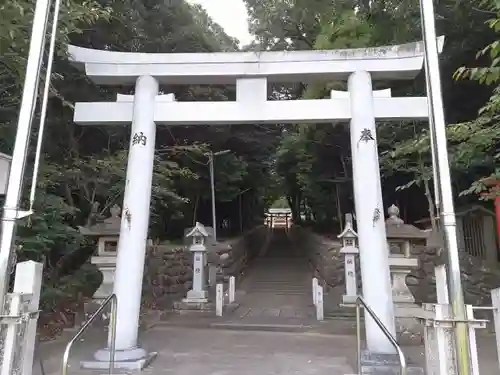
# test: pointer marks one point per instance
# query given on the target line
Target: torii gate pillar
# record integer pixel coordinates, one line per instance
(374, 252)
(134, 231)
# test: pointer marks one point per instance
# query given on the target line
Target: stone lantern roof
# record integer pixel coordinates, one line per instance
(107, 227)
(348, 237)
(396, 228)
(348, 231)
(198, 230)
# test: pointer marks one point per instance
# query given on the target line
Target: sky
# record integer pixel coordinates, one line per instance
(231, 15)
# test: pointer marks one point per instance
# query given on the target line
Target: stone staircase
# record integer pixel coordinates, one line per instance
(277, 285)
(280, 270)
(279, 277)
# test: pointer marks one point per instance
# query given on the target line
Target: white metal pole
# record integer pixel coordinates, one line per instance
(432, 140)
(212, 187)
(443, 172)
(45, 100)
(28, 103)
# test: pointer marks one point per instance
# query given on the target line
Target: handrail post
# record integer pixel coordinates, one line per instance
(358, 336)
(112, 327)
(112, 338)
(383, 328)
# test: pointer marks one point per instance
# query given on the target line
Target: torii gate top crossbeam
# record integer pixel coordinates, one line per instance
(390, 62)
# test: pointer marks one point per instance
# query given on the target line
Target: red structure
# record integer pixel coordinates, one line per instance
(493, 185)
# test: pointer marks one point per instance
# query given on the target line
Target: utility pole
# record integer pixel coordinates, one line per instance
(211, 156)
(11, 210)
(444, 190)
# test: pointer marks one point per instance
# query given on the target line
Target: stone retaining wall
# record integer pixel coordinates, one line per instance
(168, 274)
(324, 256)
(168, 268)
(233, 255)
(478, 277)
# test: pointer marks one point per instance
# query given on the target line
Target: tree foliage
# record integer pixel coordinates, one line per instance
(306, 167)
(83, 168)
(314, 160)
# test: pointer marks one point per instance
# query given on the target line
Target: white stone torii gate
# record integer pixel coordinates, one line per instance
(251, 71)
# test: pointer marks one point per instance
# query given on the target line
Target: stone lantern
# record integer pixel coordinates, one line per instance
(401, 238)
(350, 250)
(5, 161)
(198, 293)
(107, 233)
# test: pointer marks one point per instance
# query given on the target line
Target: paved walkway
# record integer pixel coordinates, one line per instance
(272, 332)
(185, 351)
(198, 351)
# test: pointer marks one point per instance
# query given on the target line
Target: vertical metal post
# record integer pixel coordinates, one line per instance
(232, 289)
(432, 139)
(212, 186)
(443, 172)
(28, 103)
(358, 336)
(315, 290)
(9, 351)
(320, 313)
(219, 299)
(112, 336)
(495, 301)
(474, 358)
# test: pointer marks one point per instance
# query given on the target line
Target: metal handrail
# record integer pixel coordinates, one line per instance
(383, 328)
(112, 323)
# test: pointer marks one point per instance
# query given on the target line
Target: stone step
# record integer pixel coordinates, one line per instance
(279, 276)
(287, 283)
(278, 292)
(290, 280)
(278, 287)
(390, 370)
(270, 327)
(267, 286)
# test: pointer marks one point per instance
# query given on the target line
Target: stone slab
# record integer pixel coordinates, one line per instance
(385, 364)
(194, 306)
(135, 366)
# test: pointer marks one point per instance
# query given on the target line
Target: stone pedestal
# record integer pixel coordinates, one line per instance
(107, 266)
(400, 267)
(198, 294)
(408, 327)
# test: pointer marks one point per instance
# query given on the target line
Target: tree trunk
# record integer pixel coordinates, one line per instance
(195, 209)
(339, 208)
(430, 203)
